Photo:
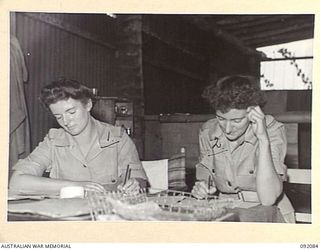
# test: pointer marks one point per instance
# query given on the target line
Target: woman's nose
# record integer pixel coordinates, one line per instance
(66, 120)
(228, 127)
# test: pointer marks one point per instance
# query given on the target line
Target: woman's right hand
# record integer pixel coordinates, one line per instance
(200, 190)
(94, 187)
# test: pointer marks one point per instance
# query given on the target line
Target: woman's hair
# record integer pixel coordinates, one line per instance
(234, 92)
(64, 89)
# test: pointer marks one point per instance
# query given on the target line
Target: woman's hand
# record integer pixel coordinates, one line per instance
(132, 187)
(258, 122)
(93, 186)
(200, 190)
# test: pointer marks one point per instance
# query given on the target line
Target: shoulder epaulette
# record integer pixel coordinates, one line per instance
(117, 131)
(272, 123)
(55, 133)
(210, 124)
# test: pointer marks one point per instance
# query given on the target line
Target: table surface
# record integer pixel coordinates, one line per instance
(247, 213)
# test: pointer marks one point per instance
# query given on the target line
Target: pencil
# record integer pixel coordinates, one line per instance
(209, 182)
(127, 174)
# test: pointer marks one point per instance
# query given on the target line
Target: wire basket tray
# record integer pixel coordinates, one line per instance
(169, 205)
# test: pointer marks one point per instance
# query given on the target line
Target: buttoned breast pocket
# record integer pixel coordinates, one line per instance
(66, 166)
(104, 167)
(246, 177)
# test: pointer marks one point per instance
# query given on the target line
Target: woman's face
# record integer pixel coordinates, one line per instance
(72, 115)
(233, 123)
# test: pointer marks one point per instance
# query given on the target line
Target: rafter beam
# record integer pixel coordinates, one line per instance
(213, 29)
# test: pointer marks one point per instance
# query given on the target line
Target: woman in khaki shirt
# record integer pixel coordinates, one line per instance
(83, 152)
(242, 150)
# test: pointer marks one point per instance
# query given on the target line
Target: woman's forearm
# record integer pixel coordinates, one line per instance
(25, 182)
(269, 186)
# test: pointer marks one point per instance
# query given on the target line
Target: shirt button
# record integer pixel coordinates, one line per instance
(113, 181)
(251, 172)
(229, 183)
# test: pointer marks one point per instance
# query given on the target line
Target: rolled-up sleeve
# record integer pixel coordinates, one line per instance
(38, 161)
(128, 155)
(278, 144)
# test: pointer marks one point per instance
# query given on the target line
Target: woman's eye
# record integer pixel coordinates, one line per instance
(58, 117)
(72, 112)
(237, 120)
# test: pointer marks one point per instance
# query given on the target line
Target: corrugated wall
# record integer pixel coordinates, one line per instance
(52, 52)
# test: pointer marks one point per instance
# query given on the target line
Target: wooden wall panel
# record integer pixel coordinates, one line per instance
(167, 91)
(173, 132)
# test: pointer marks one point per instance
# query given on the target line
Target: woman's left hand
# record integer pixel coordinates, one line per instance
(132, 187)
(258, 122)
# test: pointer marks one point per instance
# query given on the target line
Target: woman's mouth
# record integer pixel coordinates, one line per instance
(71, 127)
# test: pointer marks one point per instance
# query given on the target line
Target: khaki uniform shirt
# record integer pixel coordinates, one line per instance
(105, 163)
(234, 170)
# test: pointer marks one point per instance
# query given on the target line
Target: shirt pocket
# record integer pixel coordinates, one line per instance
(66, 166)
(246, 178)
(224, 185)
(110, 182)
(104, 167)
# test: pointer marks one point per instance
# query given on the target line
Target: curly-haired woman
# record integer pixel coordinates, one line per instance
(242, 150)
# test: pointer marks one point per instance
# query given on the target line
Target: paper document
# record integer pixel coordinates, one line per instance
(157, 173)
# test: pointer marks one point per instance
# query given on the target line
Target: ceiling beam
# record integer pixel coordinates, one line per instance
(232, 19)
(284, 38)
(273, 25)
(219, 33)
(296, 29)
(239, 22)
(264, 20)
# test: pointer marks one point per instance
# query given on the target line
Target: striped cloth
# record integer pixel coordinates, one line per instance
(177, 172)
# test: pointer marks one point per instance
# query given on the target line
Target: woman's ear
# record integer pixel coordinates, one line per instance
(89, 105)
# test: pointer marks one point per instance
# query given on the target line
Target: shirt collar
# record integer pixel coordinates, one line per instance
(107, 135)
(60, 137)
(248, 137)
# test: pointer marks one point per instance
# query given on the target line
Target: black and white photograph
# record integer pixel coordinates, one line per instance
(148, 118)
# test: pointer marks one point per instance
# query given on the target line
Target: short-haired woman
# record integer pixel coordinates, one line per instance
(83, 152)
(242, 149)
